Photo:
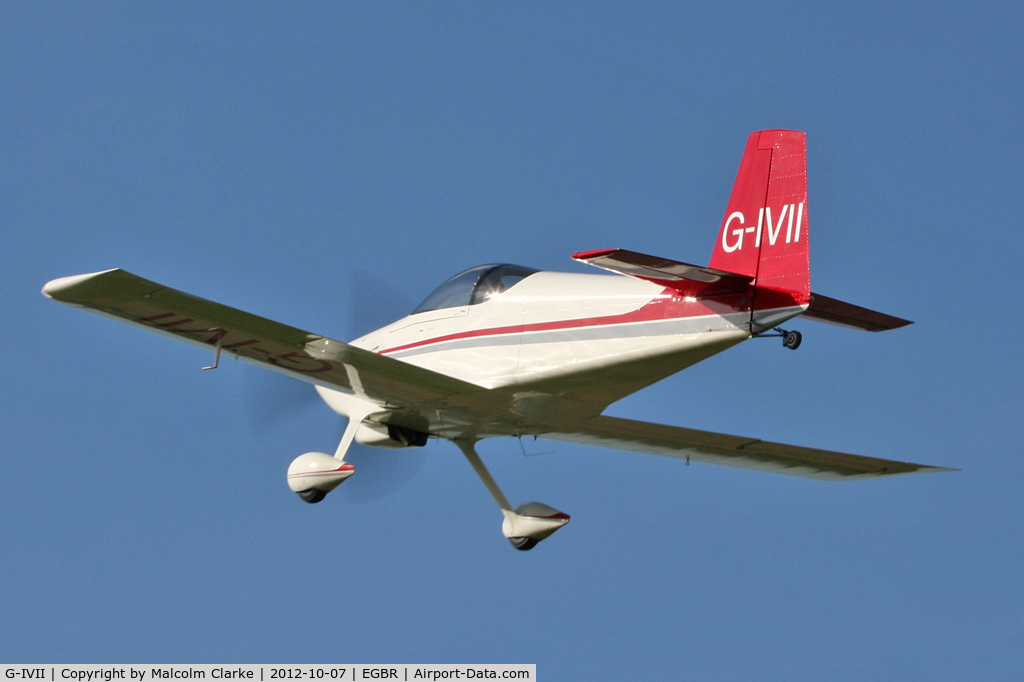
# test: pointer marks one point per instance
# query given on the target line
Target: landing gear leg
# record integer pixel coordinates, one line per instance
(527, 524)
(790, 339)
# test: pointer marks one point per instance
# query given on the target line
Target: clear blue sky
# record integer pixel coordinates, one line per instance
(261, 154)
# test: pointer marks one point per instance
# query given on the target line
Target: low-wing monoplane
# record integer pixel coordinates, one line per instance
(506, 350)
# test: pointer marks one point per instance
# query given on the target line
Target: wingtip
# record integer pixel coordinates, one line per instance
(55, 288)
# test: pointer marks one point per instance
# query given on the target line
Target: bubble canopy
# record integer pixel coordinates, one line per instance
(474, 286)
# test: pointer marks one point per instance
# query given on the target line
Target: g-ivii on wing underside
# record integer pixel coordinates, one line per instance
(507, 350)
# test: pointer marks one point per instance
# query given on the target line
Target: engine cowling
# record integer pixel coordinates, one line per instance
(315, 474)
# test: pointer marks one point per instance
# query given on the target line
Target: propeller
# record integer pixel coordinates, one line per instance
(273, 400)
(381, 472)
(374, 303)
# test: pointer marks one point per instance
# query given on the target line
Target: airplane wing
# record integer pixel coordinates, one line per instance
(719, 448)
(310, 357)
(832, 311)
(668, 273)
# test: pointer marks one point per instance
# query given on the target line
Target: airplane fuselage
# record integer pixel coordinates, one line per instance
(585, 338)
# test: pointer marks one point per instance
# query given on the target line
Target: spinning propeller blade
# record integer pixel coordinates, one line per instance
(381, 472)
(272, 400)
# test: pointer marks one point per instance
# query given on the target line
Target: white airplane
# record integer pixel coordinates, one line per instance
(505, 350)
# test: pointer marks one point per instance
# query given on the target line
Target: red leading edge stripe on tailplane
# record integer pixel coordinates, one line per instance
(764, 230)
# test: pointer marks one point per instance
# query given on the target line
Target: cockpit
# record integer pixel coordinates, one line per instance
(474, 286)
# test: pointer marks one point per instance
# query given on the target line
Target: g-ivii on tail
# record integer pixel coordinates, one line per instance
(508, 350)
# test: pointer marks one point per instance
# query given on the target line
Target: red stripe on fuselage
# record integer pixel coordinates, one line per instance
(344, 467)
(666, 306)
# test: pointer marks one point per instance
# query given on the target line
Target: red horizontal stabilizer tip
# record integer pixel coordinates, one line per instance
(584, 255)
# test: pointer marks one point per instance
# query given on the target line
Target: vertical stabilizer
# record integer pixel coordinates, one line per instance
(764, 230)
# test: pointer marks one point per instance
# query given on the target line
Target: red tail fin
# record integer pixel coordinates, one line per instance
(764, 231)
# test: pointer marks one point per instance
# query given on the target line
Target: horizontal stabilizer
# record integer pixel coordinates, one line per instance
(825, 309)
(737, 451)
(662, 271)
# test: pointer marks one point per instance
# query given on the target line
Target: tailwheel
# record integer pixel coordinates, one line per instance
(790, 339)
(524, 544)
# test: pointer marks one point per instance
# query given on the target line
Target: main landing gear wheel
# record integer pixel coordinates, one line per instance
(527, 524)
(312, 495)
(791, 340)
(524, 544)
